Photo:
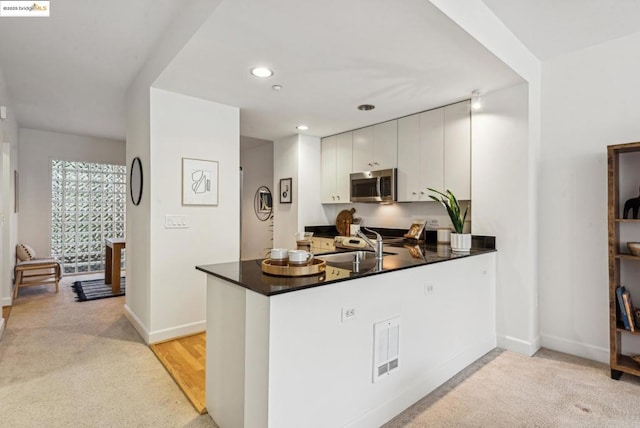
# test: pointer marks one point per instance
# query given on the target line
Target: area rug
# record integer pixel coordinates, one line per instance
(96, 289)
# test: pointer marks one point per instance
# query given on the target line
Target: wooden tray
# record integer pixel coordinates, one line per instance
(317, 266)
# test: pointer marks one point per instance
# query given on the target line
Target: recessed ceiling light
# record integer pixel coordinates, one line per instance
(366, 107)
(302, 127)
(261, 72)
(276, 87)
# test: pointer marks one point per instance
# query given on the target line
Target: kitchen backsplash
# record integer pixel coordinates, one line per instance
(399, 215)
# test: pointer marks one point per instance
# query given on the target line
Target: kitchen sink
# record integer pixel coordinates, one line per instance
(344, 260)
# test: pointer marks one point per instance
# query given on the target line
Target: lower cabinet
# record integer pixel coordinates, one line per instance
(322, 244)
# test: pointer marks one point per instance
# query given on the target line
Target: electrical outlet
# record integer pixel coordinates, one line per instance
(433, 222)
(429, 289)
(348, 314)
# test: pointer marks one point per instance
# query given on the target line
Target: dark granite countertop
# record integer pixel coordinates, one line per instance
(400, 254)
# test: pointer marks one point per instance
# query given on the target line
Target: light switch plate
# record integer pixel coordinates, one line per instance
(176, 222)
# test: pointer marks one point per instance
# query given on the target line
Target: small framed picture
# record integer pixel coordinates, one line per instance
(285, 190)
(414, 231)
(199, 182)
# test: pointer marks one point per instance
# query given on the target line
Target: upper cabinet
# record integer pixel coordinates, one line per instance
(434, 150)
(457, 149)
(431, 149)
(420, 155)
(376, 147)
(336, 157)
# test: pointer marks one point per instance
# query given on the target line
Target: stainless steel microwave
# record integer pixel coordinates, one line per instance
(374, 186)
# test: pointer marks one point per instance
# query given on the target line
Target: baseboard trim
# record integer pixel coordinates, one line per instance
(136, 323)
(159, 336)
(579, 349)
(424, 385)
(171, 333)
(518, 345)
(1, 326)
(6, 301)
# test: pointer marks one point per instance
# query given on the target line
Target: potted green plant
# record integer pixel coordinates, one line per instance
(460, 242)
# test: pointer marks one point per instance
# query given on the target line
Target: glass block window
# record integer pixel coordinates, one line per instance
(88, 203)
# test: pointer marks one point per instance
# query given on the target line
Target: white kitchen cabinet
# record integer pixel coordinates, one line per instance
(336, 155)
(420, 155)
(408, 158)
(434, 151)
(376, 147)
(457, 149)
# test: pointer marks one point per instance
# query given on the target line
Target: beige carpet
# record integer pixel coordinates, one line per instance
(69, 364)
(551, 389)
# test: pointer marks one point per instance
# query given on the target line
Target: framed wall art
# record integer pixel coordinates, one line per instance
(199, 182)
(286, 189)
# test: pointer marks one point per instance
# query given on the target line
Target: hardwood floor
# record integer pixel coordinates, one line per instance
(184, 359)
(6, 310)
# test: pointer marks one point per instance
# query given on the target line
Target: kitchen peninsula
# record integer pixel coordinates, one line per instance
(290, 352)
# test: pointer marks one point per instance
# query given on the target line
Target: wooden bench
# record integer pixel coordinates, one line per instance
(36, 272)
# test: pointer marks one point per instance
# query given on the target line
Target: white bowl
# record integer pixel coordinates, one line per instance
(634, 247)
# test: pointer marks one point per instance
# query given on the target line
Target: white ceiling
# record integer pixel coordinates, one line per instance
(70, 72)
(331, 56)
(553, 27)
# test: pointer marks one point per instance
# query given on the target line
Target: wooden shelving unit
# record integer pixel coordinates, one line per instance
(619, 363)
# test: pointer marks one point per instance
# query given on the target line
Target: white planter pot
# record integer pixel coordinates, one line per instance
(461, 242)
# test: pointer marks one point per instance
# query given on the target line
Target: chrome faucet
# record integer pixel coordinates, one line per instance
(377, 247)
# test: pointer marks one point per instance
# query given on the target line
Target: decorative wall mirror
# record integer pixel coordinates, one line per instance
(263, 203)
(135, 181)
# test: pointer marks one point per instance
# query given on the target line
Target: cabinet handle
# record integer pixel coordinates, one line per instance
(333, 198)
(338, 197)
(422, 193)
(370, 164)
(413, 193)
(376, 163)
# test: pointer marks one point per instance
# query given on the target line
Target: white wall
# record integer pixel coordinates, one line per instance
(257, 168)
(37, 150)
(138, 300)
(9, 136)
(590, 100)
(297, 157)
(188, 127)
(285, 216)
(500, 172)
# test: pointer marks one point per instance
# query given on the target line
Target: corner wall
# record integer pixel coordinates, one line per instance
(480, 22)
(188, 127)
(590, 100)
(138, 305)
(500, 172)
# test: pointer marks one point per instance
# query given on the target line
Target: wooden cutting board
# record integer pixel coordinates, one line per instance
(344, 220)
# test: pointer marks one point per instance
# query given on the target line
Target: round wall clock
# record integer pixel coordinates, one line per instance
(135, 181)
